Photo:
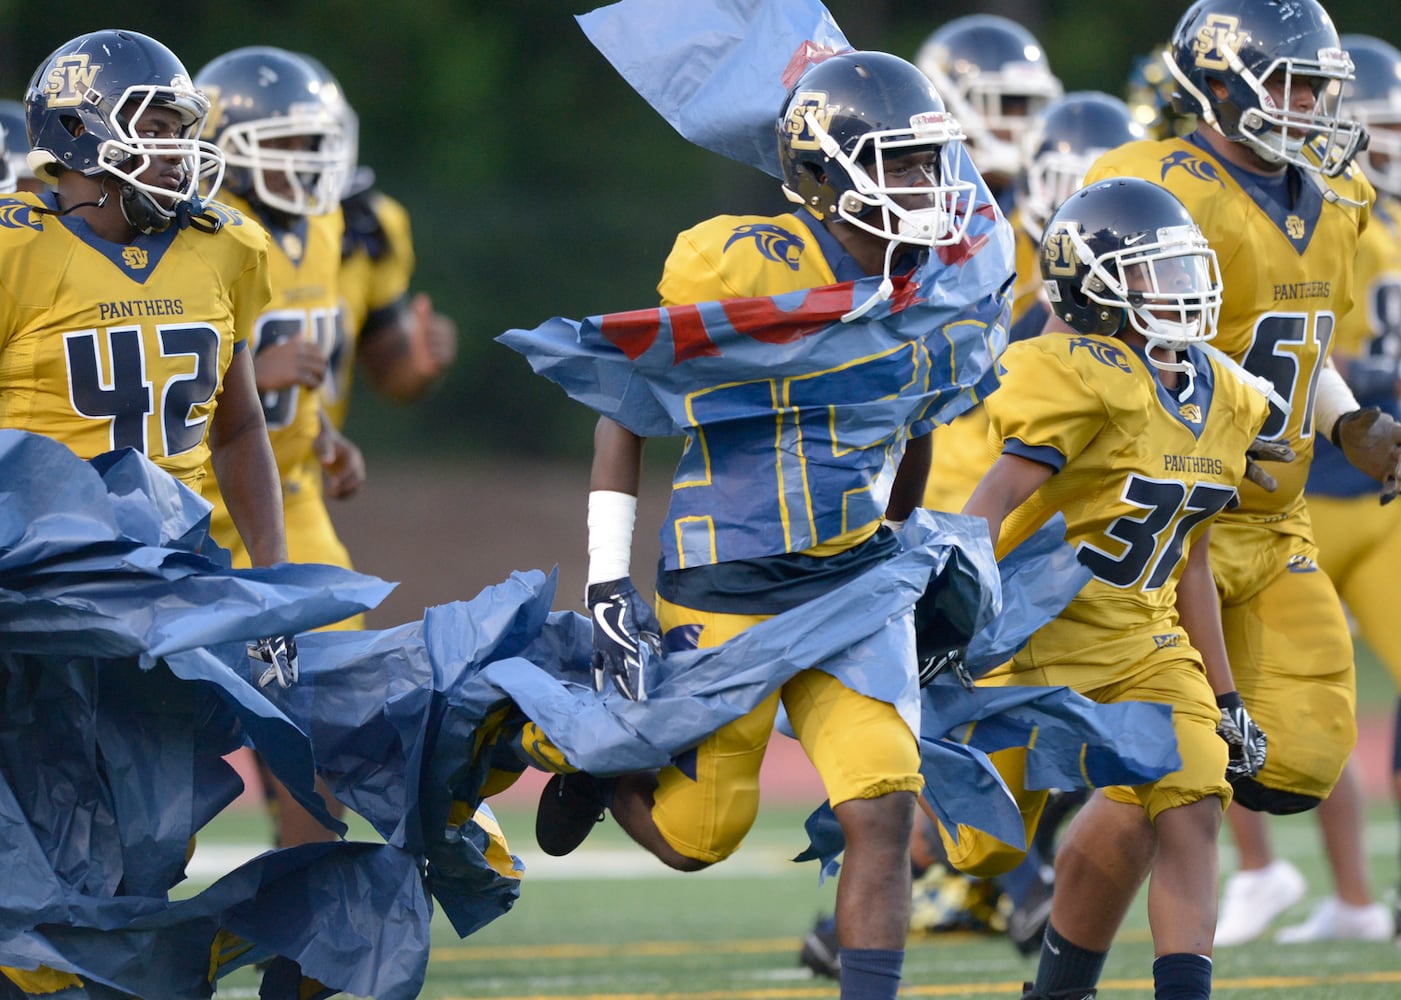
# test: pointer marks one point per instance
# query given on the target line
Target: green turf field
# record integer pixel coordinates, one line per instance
(609, 923)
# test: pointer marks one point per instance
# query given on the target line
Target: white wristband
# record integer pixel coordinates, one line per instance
(611, 519)
(1333, 399)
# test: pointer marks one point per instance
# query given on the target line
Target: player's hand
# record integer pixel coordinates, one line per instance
(292, 362)
(274, 659)
(947, 659)
(1371, 440)
(433, 338)
(342, 462)
(625, 637)
(1244, 739)
(1261, 450)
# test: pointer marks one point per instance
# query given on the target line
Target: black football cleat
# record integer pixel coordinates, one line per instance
(570, 807)
(820, 951)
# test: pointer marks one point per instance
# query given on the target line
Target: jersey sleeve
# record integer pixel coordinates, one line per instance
(734, 257)
(1044, 410)
(250, 294)
(392, 273)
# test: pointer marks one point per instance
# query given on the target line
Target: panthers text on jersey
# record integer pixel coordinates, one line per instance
(1283, 288)
(374, 282)
(1140, 473)
(106, 346)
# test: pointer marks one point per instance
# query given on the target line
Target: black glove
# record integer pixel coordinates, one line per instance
(1371, 440)
(625, 637)
(1243, 737)
(274, 659)
(1261, 450)
(933, 665)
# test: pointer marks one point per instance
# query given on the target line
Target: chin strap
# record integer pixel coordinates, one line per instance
(1259, 383)
(60, 212)
(881, 294)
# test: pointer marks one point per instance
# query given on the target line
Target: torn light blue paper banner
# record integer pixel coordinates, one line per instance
(716, 70)
(126, 680)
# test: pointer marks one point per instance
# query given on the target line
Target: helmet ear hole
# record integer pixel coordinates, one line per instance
(73, 125)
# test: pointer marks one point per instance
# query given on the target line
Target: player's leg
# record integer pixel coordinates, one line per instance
(1261, 888)
(1351, 912)
(869, 763)
(1360, 544)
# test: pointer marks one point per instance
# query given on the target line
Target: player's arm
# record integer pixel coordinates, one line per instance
(405, 354)
(244, 466)
(1199, 611)
(341, 461)
(625, 630)
(1004, 488)
(910, 478)
(1369, 437)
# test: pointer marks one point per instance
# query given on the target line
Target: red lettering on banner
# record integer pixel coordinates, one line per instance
(633, 332)
(764, 321)
(689, 338)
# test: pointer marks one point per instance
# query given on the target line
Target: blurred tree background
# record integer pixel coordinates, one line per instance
(539, 183)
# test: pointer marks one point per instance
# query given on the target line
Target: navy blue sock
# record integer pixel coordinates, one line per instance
(1066, 966)
(1182, 977)
(871, 973)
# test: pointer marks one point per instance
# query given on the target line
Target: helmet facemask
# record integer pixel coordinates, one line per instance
(127, 155)
(945, 200)
(1051, 178)
(1001, 107)
(1319, 139)
(1167, 284)
(315, 177)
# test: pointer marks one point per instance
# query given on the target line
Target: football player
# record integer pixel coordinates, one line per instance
(284, 147)
(1357, 537)
(873, 162)
(1267, 174)
(995, 78)
(1118, 418)
(1061, 143)
(130, 298)
(127, 299)
(398, 342)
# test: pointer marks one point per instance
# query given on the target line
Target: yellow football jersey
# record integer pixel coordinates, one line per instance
(1284, 288)
(1028, 262)
(1140, 473)
(699, 269)
(304, 265)
(369, 286)
(1377, 278)
(962, 452)
(106, 345)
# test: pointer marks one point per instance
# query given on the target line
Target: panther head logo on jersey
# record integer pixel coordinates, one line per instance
(1196, 167)
(15, 214)
(773, 242)
(1105, 353)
